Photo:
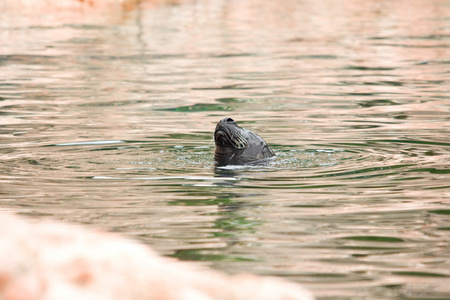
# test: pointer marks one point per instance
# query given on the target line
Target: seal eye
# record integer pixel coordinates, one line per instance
(230, 120)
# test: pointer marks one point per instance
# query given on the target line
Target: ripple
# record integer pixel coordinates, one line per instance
(85, 143)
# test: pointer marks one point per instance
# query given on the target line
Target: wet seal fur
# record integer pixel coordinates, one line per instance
(238, 146)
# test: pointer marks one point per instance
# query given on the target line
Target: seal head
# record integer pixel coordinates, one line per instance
(238, 146)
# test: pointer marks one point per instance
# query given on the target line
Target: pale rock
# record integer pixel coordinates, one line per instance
(53, 261)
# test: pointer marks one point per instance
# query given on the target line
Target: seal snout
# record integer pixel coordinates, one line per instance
(224, 133)
(225, 123)
(227, 120)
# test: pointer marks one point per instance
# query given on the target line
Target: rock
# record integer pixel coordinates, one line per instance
(53, 261)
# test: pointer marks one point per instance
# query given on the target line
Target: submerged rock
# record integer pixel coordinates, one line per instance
(53, 261)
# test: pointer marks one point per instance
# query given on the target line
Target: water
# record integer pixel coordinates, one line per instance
(107, 120)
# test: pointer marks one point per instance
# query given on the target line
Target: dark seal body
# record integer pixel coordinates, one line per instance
(238, 146)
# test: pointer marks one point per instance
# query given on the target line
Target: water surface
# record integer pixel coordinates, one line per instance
(108, 121)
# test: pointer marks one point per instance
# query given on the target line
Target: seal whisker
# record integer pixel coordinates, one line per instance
(232, 156)
(239, 141)
(243, 142)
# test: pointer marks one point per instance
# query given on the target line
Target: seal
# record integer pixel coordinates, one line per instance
(238, 146)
